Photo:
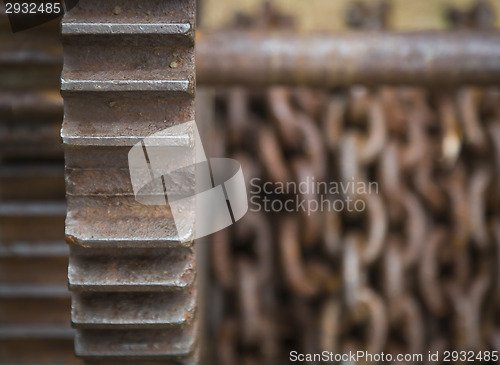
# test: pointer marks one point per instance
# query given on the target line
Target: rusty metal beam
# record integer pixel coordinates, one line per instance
(323, 60)
(330, 60)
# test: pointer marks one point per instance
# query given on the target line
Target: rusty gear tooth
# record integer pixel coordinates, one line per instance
(132, 276)
(109, 222)
(171, 343)
(131, 269)
(121, 310)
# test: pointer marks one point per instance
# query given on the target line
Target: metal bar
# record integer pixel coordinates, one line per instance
(36, 332)
(34, 249)
(32, 209)
(329, 60)
(32, 290)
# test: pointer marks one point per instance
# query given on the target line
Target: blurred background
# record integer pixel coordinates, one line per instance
(416, 271)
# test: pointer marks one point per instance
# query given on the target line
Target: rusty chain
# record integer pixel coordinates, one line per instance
(416, 271)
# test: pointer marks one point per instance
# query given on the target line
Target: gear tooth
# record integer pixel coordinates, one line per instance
(131, 269)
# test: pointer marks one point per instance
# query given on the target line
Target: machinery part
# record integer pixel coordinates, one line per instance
(34, 300)
(128, 73)
(330, 60)
(266, 58)
(30, 104)
(274, 321)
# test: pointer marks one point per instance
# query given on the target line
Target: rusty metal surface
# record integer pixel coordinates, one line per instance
(139, 269)
(128, 73)
(416, 271)
(30, 104)
(261, 58)
(34, 299)
(158, 309)
(319, 60)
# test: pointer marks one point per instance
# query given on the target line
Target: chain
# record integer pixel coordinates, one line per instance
(415, 271)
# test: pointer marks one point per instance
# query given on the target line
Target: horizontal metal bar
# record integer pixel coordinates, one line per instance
(32, 209)
(30, 56)
(31, 290)
(25, 332)
(329, 60)
(31, 104)
(31, 170)
(34, 249)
